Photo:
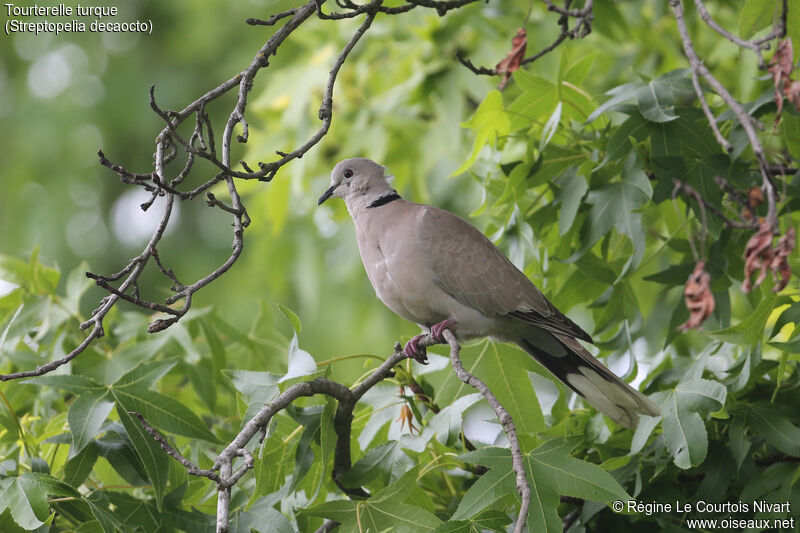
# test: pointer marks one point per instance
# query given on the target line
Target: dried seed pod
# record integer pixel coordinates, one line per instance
(511, 62)
(698, 297)
(780, 261)
(781, 68)
(755, 196)
(406, 415)
(758, 256)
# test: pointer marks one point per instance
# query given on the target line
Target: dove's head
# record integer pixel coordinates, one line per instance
(359, 182)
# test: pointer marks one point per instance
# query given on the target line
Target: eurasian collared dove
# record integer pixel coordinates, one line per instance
(435, 269)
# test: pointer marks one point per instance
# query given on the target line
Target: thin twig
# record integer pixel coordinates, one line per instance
(523, 487)
(191, 468)
(582, 28)
(755, 46)
(712, 121)
(744, 119)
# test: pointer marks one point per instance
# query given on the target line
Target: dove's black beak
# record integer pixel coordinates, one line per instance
(327, 194)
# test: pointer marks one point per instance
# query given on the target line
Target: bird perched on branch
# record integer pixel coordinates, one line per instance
(435, 269)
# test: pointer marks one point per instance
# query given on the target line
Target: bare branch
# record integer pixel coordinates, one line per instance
(96, 333)
(755, 46)
(582, 28)
(273, 19)
(343, 419)
(705, 204)
(745, 120)
(191, 468)
(523, 487)
(712, 121)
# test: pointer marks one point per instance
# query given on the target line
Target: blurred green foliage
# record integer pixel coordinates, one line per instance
(569, 170)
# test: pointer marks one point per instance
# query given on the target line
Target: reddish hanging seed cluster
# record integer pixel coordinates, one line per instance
(760, 256)
(698, 297)
(511, 62)
(755, 197)
(780, 262)
(781, 68)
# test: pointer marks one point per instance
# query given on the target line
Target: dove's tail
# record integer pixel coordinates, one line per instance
(579, 370)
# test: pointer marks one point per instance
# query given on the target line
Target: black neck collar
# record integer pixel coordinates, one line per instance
(385, 199)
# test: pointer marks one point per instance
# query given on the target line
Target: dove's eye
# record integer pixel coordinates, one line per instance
(348, 173)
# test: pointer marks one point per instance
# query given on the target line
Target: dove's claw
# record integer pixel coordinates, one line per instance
(416, 352)
(437, 329)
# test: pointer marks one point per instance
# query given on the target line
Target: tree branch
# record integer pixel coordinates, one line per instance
(582, 28)
(705, 204)
(747, 122)
(343, 419)
(523, 487)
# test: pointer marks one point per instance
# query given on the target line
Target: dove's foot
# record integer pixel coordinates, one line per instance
(437, 329)
(416, 352)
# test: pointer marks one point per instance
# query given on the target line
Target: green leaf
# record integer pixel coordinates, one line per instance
(78, 468)
(619, 94)
(275, 461)
(550, 471)
(146, 374)
(570, 476)
(739, 443)
(573, 188)
(616, 205)
(251, 383)
(387, 460)
(92, 526)
(673, 276)
(656, 102)
(71, 383)
(277, 205)
(682, 411)
(144, 514)
(488, 520)
(101, 509)
(26, 499)
(86, 414)
(154, 459)
(290, 315)
(751, 329)
(15, 270)
(399, 490)
(261, 517)
(490, 487)
(773, 426)
(162, 411)
(300, 362)
(793, 32)
(214, 345)
(116, 447)
(504, 369)
(384, 511)
(45, 279)
(619, 144)
(789, 315)
(490, 122)
(613, 205)
(258, 387)
(550, 127)
(756, 15)
(77, 285)
(446, 424)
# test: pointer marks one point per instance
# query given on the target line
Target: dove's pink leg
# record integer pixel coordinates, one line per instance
(437, 329)
(416, 352)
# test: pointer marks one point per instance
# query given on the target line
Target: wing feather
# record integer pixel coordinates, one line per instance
(477, 274)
